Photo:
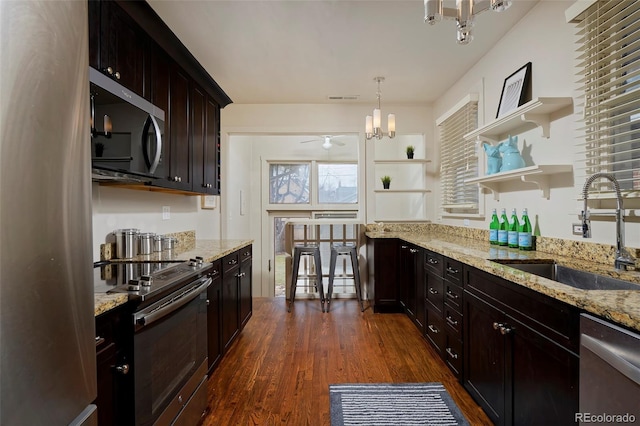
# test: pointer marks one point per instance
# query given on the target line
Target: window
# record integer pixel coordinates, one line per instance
(608, 49)
(458, 157)
(337, 183)
(289, 183)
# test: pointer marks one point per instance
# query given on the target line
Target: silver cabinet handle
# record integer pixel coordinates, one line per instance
(433, 329)
(452, 294)
(451, 270)
(497, 325)
(432, 261)
(413, 250)
(432, 291)
(117, 75)
(451, 321)
(451, 353)
(122, 369)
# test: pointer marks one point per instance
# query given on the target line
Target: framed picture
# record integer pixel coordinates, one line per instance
(516, 90)
(208, 202)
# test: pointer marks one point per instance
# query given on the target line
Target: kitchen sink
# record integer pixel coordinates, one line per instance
(572, 277)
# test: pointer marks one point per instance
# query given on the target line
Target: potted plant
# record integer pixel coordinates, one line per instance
(410, 150)
(99, 149)
(386, 181)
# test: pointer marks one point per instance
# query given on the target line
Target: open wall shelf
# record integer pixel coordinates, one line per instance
(538, 175)
(537, 111)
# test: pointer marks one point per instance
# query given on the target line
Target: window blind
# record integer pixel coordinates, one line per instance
(608, 53)
(458, 159)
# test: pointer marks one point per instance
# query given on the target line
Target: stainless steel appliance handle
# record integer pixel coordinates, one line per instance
(156, 160)
(170, 304)
(613, 357)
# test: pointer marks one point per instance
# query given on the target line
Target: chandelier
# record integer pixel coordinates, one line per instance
(373, 127)
(464, 13)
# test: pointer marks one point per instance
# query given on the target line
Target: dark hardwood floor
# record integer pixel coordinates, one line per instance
(280, 368)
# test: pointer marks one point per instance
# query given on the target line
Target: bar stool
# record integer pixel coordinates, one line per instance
(350, 250)
(308, 250)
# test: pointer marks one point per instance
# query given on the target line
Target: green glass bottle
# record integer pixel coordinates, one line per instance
(503, 229)
(493, 228)
(524, 233)
(514, 227)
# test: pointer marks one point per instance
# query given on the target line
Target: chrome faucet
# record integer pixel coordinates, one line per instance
(623, 257)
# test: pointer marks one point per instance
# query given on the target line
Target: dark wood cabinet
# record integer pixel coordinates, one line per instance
(112, 364)
(214, 308)
(178, 144)
(244, 284)
(383, 289)
(521, 362)
(143, 54)
(230, 298)
(411, 283)
(205, 131)
(118, 46)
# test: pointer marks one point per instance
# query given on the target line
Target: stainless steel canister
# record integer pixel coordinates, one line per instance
(126, 244)
(157, 243)
(168, 243)
(145, 240)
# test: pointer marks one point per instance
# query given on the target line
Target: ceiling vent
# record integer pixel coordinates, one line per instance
(344, 98)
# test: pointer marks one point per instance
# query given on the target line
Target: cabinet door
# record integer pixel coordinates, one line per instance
(179, 144)
(420, 290)
(211, 155)
(230, 325)
(544, 377)
(408, 280)
(205, 146)
(124, 47)
(484, 361)
(385, 275)
(213, 316)
(198, 135)
(245, 292)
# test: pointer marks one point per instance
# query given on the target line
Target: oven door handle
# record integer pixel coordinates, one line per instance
(164, 307)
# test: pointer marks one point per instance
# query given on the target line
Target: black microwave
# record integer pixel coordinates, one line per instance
(126, 133)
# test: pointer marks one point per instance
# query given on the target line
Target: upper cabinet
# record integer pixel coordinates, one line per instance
(118, 46)
(129, 42)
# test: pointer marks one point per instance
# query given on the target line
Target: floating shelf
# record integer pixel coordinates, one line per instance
(538, 175)
(537, 111)
(403, 161)
(399, 191)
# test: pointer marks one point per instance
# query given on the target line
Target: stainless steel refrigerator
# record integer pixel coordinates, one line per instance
(47, 325)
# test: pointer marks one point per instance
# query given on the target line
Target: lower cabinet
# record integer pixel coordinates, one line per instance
(214, 309)
(236, 296)
(244, 284)
(521, 363)
(411, 283)
(112, 365)
(383, 289)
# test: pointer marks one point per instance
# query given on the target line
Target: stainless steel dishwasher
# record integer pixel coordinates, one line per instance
(609, 373)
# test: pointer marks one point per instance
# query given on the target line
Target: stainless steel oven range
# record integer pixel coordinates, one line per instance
(164, 344)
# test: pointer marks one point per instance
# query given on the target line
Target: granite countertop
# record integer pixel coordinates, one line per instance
(621, 306)
(209, 250)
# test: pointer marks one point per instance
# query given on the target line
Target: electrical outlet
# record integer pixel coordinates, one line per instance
(166, 213)
(577, 228)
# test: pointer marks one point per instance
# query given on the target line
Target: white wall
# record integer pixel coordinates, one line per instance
(543, 38)
(118, 208)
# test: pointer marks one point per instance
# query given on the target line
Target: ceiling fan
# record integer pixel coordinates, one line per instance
(328, 141)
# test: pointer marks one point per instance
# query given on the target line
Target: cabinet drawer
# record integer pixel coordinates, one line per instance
(433, 262)
(453, 271)
(230, 261)
(435, 331)
(435, 291)
(453, 355)
(245, 253)
(453, 296)
(453, 321)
